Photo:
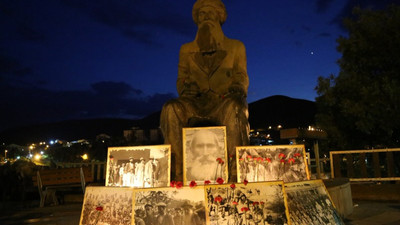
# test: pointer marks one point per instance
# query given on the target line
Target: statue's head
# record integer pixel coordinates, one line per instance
(216, 4)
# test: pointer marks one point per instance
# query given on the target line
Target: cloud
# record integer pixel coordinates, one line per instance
(32, 105)
(117, 89)
(323, 5)
(324, 34)
(130, 16)
(20, 24)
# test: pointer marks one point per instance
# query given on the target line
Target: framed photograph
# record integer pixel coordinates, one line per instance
(204, 154)
(254, 203)
(169, 206)
(139, 166)
(107, 205)
(271, 163)
(309, 203)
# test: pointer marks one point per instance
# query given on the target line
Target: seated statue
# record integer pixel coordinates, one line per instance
(212, 86)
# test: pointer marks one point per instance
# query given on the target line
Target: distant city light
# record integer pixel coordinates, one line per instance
(51, 142)
(38, 156)
(18, 157)
(41, 152)
(85, 156)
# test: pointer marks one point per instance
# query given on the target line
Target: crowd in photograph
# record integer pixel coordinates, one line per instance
(107, 208)
(135, 174)
(236, 207)
(258, 166)
(318, 207)
(163, 214)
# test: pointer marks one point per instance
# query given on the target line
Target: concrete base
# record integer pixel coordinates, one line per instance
(376, 192)
(340, 192)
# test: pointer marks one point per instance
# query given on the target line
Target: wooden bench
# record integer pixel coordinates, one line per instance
(49, 181)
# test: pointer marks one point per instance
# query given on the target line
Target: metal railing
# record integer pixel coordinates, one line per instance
(98, 169)
(366, 165)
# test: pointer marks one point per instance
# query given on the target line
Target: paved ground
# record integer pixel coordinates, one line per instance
(365, 213)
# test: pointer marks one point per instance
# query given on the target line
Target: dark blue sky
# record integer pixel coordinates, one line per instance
(74, 59)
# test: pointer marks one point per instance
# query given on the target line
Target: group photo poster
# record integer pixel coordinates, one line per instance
(169, 206)
(254, 203)
(107, 205)
(272, 163)
(139, 166)
(309, 203)
(205, 155)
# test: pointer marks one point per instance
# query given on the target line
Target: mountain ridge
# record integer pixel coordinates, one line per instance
(270, 111)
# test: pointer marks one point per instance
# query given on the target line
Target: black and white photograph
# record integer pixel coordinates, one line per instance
(309, 203)
(239, 204)
(204, 155)
(107, 205)
(139, 166)
(169, 206)
(272, 163)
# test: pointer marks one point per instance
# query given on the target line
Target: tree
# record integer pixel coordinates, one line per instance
(360, 108)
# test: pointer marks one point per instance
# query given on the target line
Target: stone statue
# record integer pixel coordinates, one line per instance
(212, 86)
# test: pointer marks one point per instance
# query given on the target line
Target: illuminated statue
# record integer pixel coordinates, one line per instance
(212, 85)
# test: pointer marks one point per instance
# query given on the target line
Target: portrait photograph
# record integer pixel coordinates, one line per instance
(204, 155)
(254, 203)
(169, 206)
(138, 166)
(309, 203)
(272, 163)
(107, 205)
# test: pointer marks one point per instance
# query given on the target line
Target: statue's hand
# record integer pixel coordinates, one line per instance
(190, 89)
(236, 89)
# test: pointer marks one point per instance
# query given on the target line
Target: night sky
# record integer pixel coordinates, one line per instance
(78, 59)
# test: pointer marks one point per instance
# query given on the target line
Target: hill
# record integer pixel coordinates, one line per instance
(281, 110)
(270, 111)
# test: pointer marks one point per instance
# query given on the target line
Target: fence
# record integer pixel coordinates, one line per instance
(312, 166)
(366, 165)
(98, 169)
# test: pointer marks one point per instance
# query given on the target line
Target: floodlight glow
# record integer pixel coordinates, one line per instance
(38, 156)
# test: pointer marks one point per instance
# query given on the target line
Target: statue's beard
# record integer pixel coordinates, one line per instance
(207, 37)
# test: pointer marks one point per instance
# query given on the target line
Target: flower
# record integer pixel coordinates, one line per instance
(256, 203)
(218, 199)
(262, 203)
(297, 155)
(220, 180)
(234, 203)
(99, 208)
(192, 184)
(220, 161)
(179, 184)
(291, 160)
(245, 209)
(172, 184)
(281, 155)
(245, 182)
(233, 186)
(268, 160)
(249, 157)
(207, 182)
(283, 161)
(260, 159)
